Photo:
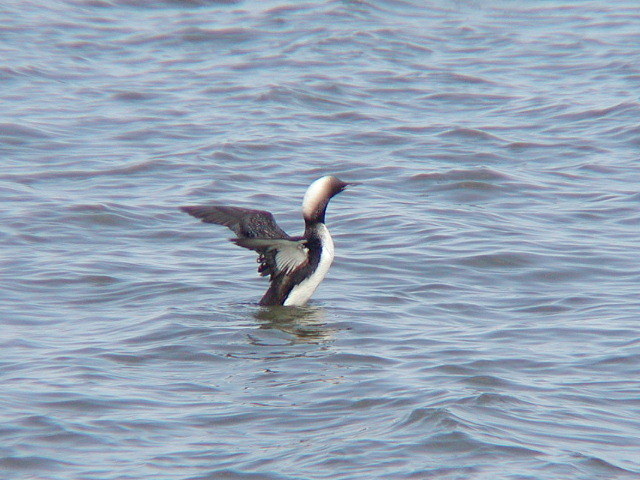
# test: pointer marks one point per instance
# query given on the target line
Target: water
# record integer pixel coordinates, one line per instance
(480, 320)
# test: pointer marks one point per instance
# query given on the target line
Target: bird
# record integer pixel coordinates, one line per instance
(295, 265)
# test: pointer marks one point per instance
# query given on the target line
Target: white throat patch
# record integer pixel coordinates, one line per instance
(301, 293)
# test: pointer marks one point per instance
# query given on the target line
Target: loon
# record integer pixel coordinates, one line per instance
(295, 265)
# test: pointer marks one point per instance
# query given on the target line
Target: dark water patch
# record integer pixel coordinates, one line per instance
(407, 48)
(239, 474)
(125, 359)
(568, 147)
(284, 10)
(618, 360)
(125, 293)
(222, 36)
(547, 309)
(221, 420)
(453, 369)
(191, 387)
(418, 129)
(493, 400)
(448, 78)
(377, 138)
(163, 333)
(621, 108)
(352, 359)
(348, 116)
(41, 422)
(182, 353)
(450, 442)
(67, 439)
(107, 218)
(431, 287)
(445, 473)
(60, 279)
(482, 174)
(140, 135)
(10, 132)
(293, 96)
(467, 186)
(29, 463)
(507, 364)
(499, 260)
(428, 419)
(486, 381)
(7, 74)
(163, 4)
(99, 280)
(85, 405)
(602, 467)
(467, 99)
(133, 96)
(71, 172)
(563, 274)
(471, 134)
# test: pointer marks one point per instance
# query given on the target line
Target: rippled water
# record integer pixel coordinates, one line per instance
(480, 320)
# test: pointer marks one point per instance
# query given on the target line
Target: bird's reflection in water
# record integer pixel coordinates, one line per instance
(306, 324)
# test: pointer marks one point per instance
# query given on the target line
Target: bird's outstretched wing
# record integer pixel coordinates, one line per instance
(277, 256)
(244, 222)
(278, 253)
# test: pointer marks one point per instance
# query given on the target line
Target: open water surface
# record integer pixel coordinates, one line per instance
(480, 320)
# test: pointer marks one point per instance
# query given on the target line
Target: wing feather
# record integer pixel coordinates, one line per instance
(257, 230)
(244, 222)
(277, 256)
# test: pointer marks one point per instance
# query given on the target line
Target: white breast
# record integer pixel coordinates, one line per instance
(302, 292)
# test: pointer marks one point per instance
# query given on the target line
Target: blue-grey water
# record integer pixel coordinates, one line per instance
(481, 319)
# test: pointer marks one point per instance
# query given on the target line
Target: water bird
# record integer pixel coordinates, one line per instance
(295, 265)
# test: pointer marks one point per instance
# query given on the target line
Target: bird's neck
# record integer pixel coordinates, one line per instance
(315, 229)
